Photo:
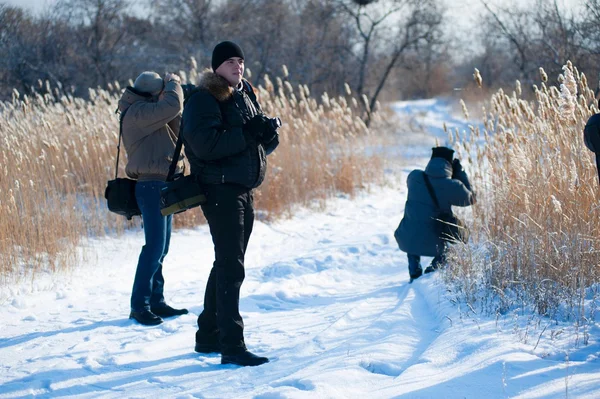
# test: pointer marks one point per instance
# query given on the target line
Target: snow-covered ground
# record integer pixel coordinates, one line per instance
(326, 298)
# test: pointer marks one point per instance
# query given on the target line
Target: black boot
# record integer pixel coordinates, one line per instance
(207, 343)
(245, 358)
(415, 276)
(165, 311)
(145, 317)
(430, 269)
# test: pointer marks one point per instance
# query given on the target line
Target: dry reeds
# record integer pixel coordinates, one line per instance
(321, 151)
(58, 152)
(536, 225)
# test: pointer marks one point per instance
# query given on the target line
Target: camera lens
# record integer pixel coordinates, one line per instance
(275, 123)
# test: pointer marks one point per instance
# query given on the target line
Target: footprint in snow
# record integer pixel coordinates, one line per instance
(383, 368)
(303, 385)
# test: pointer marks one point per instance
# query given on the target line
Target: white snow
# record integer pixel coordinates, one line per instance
(326, 298)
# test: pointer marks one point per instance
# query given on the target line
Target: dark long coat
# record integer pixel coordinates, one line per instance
(416, 234)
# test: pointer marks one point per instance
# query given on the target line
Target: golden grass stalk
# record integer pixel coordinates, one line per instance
(58, 152)
(536, 226)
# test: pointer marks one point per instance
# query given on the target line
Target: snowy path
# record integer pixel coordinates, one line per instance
(326, 297)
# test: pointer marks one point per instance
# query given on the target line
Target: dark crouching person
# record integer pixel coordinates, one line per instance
(418, 233)
(227, 138)
(151, 112)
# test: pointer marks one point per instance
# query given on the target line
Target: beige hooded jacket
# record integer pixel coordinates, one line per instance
(150, 130)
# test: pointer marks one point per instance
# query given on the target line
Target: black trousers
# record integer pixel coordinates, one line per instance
(230, 215)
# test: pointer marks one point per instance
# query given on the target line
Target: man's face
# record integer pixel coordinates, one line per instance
(232, 70)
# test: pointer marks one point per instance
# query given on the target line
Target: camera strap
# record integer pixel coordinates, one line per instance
(251, 94)
(431, 192)
(176, 153)
(122, 116)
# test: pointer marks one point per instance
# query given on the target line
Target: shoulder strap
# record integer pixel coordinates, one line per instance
(176, 153)
(250, 91)
(119, 144)
(188, 91)
(430, 189)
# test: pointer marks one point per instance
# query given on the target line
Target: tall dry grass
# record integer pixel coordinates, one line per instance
(322, 150)
(536, 226)
(58, 152)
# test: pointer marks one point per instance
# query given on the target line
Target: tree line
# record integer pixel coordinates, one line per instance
(382, 49)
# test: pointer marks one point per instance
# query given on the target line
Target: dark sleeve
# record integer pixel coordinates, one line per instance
(591, 136)
(272, 145)
(459, 194)
(204, 131)
(461, 176)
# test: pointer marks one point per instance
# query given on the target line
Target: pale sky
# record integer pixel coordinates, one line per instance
(458, 7)
(464, 13)
(36, 5)
(39, 5)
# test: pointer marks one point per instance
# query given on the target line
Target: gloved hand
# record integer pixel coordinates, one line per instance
(271, 145)
(456, 168)
(257, 126)
(268, 135)
(171, 77)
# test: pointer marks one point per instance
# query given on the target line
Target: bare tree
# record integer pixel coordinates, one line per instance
(188, 21)
(541, 34)
(513, 24)
(323, 43)
(388, 29)
(33, 48)
(14, 22)
(590, 34)
(322, 57)
(101, 32)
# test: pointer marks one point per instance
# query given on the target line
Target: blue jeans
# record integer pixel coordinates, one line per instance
(149, 283)
(414, 263)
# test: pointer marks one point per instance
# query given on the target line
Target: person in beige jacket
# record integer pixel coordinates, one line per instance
(151, 114)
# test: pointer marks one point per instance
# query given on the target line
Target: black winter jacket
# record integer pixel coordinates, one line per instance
(216, 145)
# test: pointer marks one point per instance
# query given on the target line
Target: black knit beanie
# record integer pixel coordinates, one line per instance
(224, 51)
(442, 152)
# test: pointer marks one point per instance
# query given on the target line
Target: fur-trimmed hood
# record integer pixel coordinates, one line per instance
(215, 85)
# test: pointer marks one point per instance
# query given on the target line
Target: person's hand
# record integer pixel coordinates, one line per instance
(257, 125)
(268, 136)
(171, 77)
(456, 167)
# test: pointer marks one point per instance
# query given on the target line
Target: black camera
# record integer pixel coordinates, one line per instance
(274, 123)
(260, 125)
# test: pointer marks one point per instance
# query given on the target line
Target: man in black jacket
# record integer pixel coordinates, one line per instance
(227, 139)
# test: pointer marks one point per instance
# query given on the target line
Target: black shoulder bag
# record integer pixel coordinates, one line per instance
(448, 226)
(120, 192)
(181, 192)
